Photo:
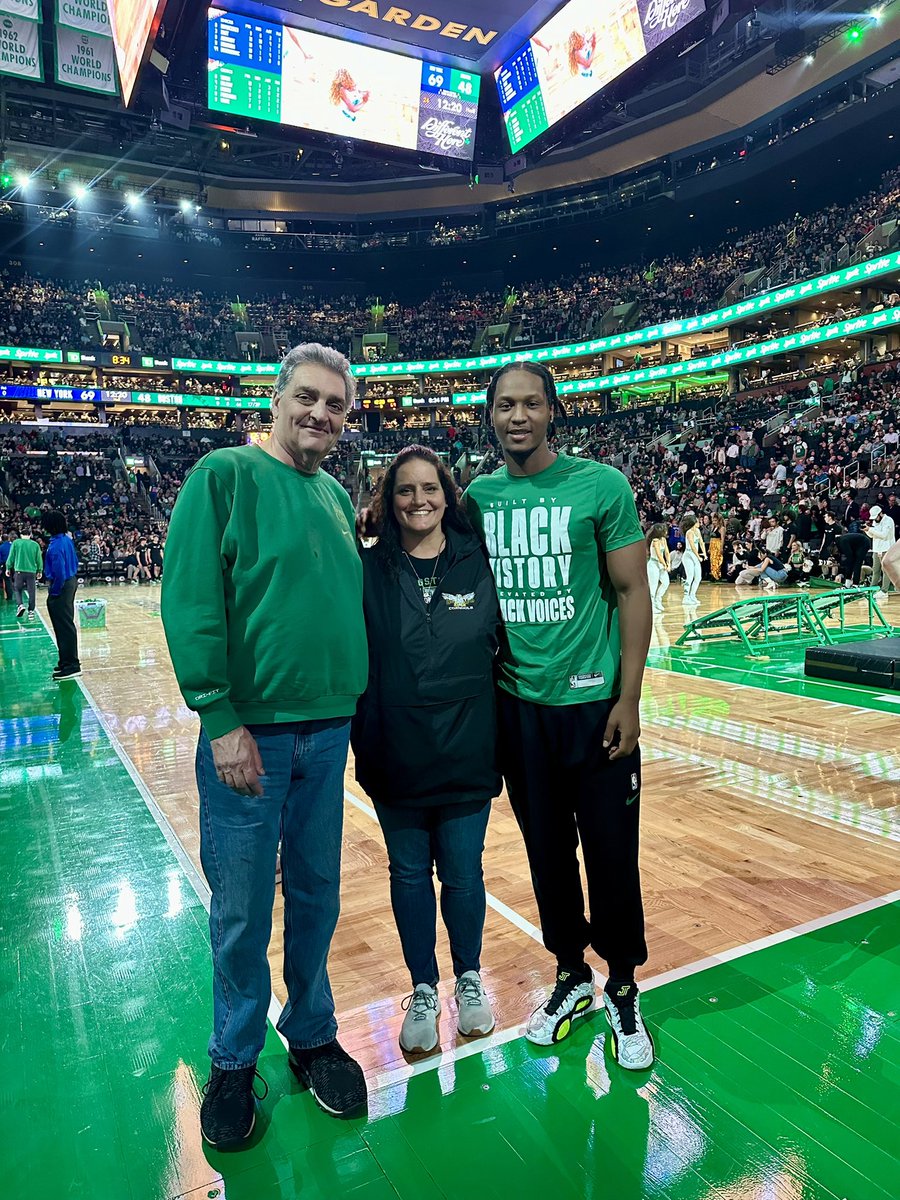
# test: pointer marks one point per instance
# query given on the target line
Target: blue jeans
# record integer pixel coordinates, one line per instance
(450, 837)
(775, 576)
(302, 805)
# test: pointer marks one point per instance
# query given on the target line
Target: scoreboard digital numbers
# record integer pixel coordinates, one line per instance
(575, 54)
(279, 73)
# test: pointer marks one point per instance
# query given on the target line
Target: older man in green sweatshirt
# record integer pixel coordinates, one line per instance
(262, 608)
(25, 562)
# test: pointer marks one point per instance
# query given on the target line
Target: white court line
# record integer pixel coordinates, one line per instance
(480, 1045)
(448, 1057)
(756, 687)
(498, 906)
(196, 880)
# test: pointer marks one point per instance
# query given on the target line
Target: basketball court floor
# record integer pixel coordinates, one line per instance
(770, 856)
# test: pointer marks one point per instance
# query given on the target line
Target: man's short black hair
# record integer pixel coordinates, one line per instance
(55, 522)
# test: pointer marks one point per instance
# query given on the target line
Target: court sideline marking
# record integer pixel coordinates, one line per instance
(481, 1045)
(498, 906)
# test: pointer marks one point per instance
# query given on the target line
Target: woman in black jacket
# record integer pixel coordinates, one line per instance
(425, 730)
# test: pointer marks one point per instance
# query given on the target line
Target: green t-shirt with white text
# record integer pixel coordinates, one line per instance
(547, 536)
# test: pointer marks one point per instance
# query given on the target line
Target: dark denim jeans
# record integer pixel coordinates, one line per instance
(302, 805)
(450, 837)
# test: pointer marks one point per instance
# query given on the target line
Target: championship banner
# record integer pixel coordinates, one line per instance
(20, 48)
(86, 61)
(91, 16)
(29, 10)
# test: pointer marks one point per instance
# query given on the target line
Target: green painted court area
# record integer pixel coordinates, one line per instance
(777, 669)
(778, 1075)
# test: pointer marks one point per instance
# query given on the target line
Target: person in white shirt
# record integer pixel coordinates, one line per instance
(780, 473)
(883, 534)
(774, 536)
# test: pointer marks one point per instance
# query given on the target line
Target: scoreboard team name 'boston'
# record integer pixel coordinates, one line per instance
(531, 553)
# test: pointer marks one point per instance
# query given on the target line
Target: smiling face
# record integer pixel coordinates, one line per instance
(308, 416)
(419, 500)
(521, 413)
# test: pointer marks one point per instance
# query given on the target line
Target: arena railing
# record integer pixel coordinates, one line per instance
(766, 302)
(683, 368)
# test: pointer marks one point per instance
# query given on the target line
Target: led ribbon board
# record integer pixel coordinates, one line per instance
(279, 73)
(766, 302)
(885, 319)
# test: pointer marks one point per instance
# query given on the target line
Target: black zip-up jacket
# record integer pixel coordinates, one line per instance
(425, 729)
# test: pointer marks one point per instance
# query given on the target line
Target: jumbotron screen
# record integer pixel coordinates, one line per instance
(581, 49)
(279, 73)
(132, 23)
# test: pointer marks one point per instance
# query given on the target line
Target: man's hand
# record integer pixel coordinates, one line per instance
(625, 721)
(238, 762)
(365, 524)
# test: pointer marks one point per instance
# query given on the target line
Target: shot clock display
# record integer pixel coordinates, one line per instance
(279, 73)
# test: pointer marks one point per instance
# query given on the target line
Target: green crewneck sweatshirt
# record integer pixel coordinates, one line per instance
(25, 555)
(262, 594)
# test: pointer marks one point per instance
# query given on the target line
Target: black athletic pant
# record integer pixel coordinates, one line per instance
(6, 583)
(563, 788)
(61, 610)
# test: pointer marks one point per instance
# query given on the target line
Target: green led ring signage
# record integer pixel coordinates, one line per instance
(193, 400)
(766, 302)
(209, 366)
(29, 354)
(731, 358)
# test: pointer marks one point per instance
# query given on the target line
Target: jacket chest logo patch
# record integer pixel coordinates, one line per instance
(460, 601)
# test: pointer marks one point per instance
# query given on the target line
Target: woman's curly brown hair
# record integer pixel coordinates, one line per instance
(388, 549)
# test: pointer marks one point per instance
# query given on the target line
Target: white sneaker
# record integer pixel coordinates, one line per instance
(475, 1016)
(20, 611)
(632, 1045)
(881, 595)
(572, 997)
(418, 1034)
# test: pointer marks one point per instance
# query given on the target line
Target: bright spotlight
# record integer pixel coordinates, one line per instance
(133, 199)
(876, 14)
(79, 191)
(185, 206)
(809, 59)
(23, 180)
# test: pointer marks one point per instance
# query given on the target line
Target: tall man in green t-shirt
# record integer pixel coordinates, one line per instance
(262, 607)
(569, 558)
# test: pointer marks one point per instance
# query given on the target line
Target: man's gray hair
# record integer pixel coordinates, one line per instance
(323, 356)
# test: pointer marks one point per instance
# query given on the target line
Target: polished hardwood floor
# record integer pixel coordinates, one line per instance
(760, 812)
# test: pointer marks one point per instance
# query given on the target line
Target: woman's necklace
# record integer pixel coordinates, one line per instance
(429, 581)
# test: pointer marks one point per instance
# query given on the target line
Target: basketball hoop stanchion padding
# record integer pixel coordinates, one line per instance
(91, 614)
(767, 622)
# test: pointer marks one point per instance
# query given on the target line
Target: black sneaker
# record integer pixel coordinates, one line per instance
(632, 1045)
(572, 997)
(334, 1078)
(69, 673)
(228, 1111)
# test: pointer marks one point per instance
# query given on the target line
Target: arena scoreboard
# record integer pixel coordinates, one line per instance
(575, 54)
(279, 73)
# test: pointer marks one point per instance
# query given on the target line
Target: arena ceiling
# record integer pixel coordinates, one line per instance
(475, 32)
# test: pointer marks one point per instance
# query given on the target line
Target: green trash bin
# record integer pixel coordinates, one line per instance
(91, 614)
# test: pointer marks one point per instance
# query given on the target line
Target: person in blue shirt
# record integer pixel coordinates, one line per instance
(6, 588)
(61, 573)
